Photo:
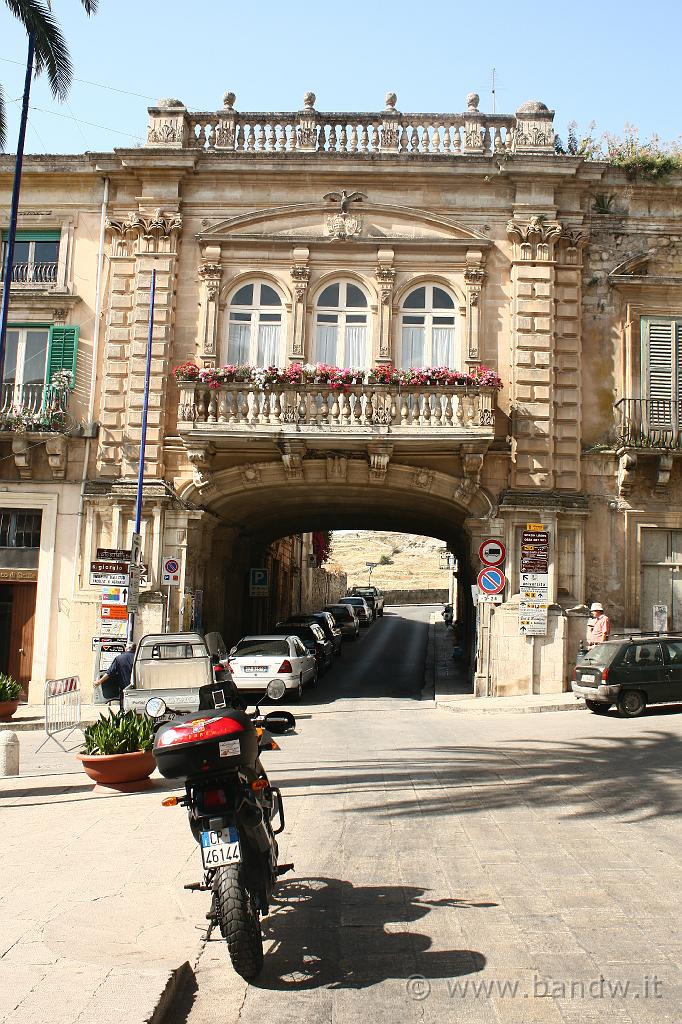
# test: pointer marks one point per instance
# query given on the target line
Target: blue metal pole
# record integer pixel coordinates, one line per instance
(143, 430)
(14, 208)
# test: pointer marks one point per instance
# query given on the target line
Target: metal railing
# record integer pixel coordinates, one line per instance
(649, 422)
(32, 406)
(431, 407)
(34, 273)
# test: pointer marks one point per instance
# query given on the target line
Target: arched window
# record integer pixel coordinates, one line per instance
(341, 319)
(427, 328)
(254, 330)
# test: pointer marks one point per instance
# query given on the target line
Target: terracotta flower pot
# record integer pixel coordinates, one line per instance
(7, 709)
(118, 769)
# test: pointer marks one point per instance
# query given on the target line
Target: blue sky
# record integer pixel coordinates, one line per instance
(601, 61)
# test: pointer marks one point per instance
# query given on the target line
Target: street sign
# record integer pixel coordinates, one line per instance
(536, 527)
(492, 552)
(113, 629)
(108, 650)
(108, 573)
(170, 572)
(491, 581)
(113, 611)
(490, 598)
(114, 595)
(113, 554)
(534, 580)
(134, 588)
(660, 617)
(136, 548)
(259, 584)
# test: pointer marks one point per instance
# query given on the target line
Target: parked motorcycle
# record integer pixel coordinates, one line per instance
(447, 614)
(234, 812)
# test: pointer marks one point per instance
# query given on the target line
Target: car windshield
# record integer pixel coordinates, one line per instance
(302, 632)
(357, 601)
(171, 651)
(265, 648)
(339, 611)
(602, 654)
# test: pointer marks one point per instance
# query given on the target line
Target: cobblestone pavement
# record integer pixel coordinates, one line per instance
(516, 868)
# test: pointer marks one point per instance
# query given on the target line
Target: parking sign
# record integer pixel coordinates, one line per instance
(259, 583)
(170, 574)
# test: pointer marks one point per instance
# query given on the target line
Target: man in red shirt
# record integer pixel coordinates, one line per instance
(598, 625)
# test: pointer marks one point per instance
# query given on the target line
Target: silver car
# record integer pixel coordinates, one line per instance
(255, 660)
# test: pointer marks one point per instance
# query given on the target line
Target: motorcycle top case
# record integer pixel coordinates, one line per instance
(206, 742)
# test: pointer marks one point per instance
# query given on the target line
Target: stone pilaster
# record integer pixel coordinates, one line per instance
(533, 285)
(474, 277)
(209, 276)
(300, 278)
(139, 245)
(385, 278)
(567, 396)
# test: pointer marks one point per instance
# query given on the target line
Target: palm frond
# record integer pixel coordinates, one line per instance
(3, 121)
(52, 55)
(90, 6)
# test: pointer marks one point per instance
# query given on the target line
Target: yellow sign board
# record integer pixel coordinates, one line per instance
(541, 527)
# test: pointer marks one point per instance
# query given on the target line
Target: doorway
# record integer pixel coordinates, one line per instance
(17, 615)
(661, 567)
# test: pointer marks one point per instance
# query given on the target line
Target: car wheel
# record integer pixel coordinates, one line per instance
(297, 694)
(631, 703)
(381, 614)
(315, 678)
(597, 708)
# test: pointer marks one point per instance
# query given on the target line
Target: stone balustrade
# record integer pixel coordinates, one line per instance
(530, 130)
(242, 407)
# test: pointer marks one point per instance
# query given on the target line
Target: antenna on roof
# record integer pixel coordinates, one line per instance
(493, 90)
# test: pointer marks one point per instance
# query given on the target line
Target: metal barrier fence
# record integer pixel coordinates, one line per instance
(62, 708)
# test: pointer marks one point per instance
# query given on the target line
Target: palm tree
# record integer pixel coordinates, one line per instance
(51, 53)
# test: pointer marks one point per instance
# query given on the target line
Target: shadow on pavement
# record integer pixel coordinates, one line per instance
(331, 933)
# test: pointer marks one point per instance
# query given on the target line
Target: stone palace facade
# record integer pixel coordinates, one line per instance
(366, 240)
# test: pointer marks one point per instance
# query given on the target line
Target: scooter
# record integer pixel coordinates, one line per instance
(447, 614)
(234, 813)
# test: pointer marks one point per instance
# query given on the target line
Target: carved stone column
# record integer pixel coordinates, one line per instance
(475, 132)
(307, 124)
(533, 356)
(226, 133)
(300, 278)
(474, 277)
(385, 277)
(390, 128)
(209, 275)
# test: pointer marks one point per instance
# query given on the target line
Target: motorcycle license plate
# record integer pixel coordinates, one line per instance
(220, 847)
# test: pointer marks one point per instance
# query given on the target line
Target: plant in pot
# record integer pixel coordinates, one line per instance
(118, 749)
(10, 692)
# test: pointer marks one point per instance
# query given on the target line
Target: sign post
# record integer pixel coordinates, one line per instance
(170, 577)
(534, 580)
(143, 437)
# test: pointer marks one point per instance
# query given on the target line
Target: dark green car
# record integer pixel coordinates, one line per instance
(630, 673)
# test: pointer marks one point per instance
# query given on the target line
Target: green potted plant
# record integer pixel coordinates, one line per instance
(10, 692)
(118, 749)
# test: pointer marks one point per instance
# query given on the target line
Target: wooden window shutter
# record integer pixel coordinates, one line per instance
(660, 337)
(62, 350)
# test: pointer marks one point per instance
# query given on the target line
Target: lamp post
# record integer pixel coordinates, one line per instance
(370, 566)
(14, 207)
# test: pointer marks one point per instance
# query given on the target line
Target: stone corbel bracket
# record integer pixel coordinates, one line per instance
(22, 452)
(379, 454)
(472, 466)
(627, 468)
(337, 467)
(201, 459)
(664, 467)
(56, 448)
(293, 454)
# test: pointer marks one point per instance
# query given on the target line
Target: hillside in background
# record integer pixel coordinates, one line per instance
(413, 561)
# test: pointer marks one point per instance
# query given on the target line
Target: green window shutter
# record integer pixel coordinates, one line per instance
(62, 350)
(35, 236)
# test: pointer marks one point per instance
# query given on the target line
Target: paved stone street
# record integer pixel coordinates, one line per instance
(474, 867)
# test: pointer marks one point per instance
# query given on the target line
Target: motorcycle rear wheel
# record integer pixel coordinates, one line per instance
(239, 922)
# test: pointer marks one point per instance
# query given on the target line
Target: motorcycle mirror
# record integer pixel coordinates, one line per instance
(276, 689)
(155, 707)
(279, 722)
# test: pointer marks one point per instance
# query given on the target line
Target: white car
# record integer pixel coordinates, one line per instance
(255, 660)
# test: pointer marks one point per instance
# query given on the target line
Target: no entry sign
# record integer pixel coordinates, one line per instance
(491, 580)
(492, 551)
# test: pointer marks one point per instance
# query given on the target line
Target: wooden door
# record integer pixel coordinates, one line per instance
(661, 576)
(20, 662)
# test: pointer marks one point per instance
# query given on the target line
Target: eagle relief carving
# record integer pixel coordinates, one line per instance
(343, 225)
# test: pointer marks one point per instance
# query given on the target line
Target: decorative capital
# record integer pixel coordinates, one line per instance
(144, 234)
(379, 455)
(300, 278)
(534, 239)
(385, 276)
(293, 453)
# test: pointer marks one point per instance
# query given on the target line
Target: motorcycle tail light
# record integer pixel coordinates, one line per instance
(259, 785)
(199, 730)
(214, 798)
(285, 668)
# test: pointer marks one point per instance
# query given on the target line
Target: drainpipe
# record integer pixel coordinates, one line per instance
(93, 375)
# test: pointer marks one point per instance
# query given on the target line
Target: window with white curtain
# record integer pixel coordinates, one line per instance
(254, 327)
(427, 328)
(341, 326)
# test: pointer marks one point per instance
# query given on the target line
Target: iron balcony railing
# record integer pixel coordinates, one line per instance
(32, 406)
(34, 273)
(650, 422)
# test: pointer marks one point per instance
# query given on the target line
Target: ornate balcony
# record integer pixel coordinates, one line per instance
(654, 423)
(41, 275)
(231, 414)
(390, 131)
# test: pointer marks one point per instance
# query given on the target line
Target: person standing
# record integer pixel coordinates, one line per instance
(118, 675)
(598, 625)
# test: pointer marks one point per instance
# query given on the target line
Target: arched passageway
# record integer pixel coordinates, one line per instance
(253, 505)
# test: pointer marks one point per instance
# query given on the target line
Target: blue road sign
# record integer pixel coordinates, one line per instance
(259, 583)
(491, 580)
